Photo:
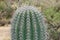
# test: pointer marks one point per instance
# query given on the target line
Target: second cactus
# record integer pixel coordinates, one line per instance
(27, 24)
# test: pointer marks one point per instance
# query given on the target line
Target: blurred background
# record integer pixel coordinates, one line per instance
(50, 9)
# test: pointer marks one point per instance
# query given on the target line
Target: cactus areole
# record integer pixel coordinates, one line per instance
(28, 24)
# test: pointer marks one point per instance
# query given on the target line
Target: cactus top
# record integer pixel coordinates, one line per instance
(27, 8)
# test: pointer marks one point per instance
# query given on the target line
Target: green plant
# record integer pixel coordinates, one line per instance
(28, 24)
(2, 6)
(52, 15)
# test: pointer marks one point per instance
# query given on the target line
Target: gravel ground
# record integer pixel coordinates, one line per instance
(5, 32)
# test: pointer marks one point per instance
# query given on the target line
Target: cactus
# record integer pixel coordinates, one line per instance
(28, 24)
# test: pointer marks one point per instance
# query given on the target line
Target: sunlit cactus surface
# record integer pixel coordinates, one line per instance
(28, 24)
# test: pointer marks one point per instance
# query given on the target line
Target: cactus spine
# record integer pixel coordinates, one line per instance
(27, 24)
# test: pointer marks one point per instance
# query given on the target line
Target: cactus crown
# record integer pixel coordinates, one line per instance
(27, 24)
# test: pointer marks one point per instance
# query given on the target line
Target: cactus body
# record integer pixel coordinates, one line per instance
(27, 24)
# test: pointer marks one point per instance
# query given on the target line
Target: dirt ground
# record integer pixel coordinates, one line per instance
(5, 32)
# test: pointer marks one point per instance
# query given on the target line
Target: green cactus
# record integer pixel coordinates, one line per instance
(28, 24)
